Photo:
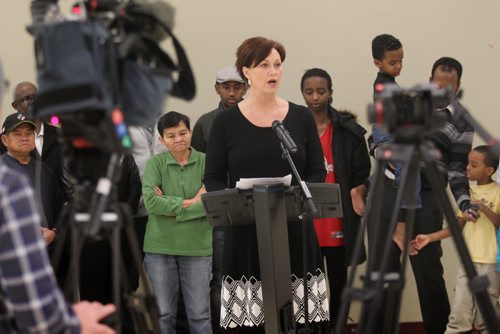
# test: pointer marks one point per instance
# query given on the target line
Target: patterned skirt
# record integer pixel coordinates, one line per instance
(241, 295)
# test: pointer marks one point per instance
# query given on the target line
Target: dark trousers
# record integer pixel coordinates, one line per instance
(216, 282)
(337, 277)
(427, 266)
(95, 276)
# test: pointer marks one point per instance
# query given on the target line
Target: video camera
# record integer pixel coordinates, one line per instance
(407, 114)
(102, 69)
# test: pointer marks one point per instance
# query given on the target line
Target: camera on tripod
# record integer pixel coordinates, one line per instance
(407, 114)
(101, 68)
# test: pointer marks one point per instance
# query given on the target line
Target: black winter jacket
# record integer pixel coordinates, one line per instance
(352, 168)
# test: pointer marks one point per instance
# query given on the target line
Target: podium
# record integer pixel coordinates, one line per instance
(270, 206)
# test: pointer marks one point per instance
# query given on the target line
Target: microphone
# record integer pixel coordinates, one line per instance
(284, 136)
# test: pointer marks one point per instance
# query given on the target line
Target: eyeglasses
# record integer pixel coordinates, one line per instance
(24, 100)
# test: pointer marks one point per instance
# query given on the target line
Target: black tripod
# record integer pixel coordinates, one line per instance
(96, 214)
(381, 292)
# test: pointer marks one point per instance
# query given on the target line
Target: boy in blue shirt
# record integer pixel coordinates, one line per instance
(387, 52)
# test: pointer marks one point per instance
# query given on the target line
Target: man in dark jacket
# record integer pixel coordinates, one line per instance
(18, 136)
(47, 144)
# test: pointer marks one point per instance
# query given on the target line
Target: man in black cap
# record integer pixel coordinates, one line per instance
(18, 136)
(47, 144)
(230, 87)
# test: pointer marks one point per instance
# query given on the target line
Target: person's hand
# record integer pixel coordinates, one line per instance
(48, 235)
(188, 202)
(90, 314)
(158, 191)
(201, 191)
(421, 241)
(479, 205)
(358, 195)
(471, 212)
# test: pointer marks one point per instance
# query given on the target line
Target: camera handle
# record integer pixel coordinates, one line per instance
(462, 112)
(381, 287)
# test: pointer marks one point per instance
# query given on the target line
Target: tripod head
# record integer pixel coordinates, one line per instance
(407, 114)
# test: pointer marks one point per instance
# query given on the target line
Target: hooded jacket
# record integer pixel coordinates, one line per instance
(352, 168)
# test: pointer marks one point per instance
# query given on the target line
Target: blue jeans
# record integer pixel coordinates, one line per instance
(193, 273)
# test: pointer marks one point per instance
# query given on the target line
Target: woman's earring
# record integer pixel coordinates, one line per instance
(249, 82)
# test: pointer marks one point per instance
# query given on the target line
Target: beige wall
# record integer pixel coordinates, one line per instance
(335, 35)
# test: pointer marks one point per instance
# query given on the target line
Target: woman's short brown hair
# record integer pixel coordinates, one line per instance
(254, 50)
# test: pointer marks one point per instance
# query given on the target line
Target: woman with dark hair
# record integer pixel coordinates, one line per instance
(178, 239)
(242, 144)
(348, 164)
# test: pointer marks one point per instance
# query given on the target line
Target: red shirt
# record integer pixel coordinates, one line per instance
(329, 230)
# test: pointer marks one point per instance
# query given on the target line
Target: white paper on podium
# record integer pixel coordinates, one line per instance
(249, 183)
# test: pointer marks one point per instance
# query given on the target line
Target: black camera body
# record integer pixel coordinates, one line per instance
(103, 69)
(407, 114)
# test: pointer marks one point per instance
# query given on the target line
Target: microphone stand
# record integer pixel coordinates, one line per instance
(305, 217)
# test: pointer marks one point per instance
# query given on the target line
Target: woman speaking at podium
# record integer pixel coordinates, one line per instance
(242, 144)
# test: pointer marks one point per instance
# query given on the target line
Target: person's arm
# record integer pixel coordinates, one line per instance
(158, 203)
(133, 182)
(216, 166)
(26, 275)
(358, 198)
(197, 198)
(198, 140)
(498, 174)
(90, 313)
(379, 136)
(58, 200)
(422, 240)
(490, 214)
(460, 146)
(360, 173)
(315, 165)
(48, 235)
(192, 208)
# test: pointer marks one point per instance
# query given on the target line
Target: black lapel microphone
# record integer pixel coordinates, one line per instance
(284, 136)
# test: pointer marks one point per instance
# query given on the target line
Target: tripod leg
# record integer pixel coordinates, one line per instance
(477, 284)
(372, 209)
(116, 275)
(387, 285)
(408, 187)
(144, 309)
(77, 242)
(57, 256)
